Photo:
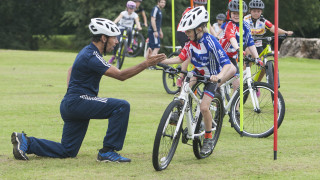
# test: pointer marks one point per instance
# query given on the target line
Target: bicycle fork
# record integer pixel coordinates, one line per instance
(253, 94)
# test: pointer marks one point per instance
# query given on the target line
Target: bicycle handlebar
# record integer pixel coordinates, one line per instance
(178, 70)
(270, 38)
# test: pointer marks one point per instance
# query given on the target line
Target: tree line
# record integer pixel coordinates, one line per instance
(22, 22)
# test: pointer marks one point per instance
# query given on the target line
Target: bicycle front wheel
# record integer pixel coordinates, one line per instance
(257, 122)
(270, 74)
(121, 54)
(137, 45)
(217, 113)
(165, 143)
(170, 79)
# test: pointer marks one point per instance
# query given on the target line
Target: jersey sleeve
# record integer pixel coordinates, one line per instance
(154, 12)
(184, 54)
(230, 31)
(98, 64)
(216, 49)
(248, 37)
(268, 24)
(135, 15)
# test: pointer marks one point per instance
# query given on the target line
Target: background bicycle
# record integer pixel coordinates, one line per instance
(258, 110)
(122, 49)
(170, 78)
(170, 126)
(137, 43)
(269, 64)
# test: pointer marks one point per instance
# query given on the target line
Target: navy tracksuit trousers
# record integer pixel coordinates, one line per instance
(76, 113)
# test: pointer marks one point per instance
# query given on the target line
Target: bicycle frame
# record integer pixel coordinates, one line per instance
(248, 80)
(123, 38)
(186, 110)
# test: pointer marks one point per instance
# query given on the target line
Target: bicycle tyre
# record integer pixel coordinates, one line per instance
(161, 157)
(121, 54)
(217, 111)
(270, 74)
(169, 80)
(258, 124)
(138, 47)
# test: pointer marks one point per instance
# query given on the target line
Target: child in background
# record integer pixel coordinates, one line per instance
(126, 20)
(216, 29)
(140, 10)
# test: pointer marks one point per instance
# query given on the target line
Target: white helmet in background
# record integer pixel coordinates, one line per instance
(103, 26)
(193, 18)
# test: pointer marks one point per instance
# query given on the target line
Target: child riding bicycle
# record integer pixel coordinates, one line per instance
(207, 56)
(126, 20)
(259, 26)
(183, 38)
(230, 40)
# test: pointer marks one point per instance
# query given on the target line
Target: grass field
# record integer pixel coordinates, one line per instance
(32, 85)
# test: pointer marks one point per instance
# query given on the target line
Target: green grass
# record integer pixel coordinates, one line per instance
(32, 85)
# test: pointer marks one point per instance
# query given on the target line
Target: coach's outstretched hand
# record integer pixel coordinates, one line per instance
(152, 60)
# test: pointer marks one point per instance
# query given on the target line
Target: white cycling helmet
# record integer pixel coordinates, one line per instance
(193, 18)
(104, 26)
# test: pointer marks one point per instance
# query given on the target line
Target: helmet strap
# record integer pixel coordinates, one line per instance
(105, 46)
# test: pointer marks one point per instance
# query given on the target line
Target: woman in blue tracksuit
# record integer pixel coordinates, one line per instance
(81, 102)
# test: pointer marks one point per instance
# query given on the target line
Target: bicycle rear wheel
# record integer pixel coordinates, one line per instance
(170, 80)
(217, 113)
(165, 144)
(121, 54)
(258, 123)
(270, 74)
(137, 45)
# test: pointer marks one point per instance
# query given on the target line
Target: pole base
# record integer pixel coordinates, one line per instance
(274, 155)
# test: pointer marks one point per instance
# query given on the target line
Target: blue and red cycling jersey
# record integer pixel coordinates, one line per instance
(206, 55)
(232, 31)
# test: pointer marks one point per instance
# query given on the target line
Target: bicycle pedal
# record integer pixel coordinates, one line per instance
(184, 138)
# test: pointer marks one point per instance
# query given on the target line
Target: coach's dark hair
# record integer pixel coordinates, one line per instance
(159, 1)
(96, 38)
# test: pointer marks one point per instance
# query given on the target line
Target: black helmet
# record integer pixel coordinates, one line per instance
(256, 4)
(221, 17)
(233, 6)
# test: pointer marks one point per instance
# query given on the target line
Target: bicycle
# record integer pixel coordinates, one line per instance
(170, 126)
(258, 113)
(267, 52)
(169, 79)
(137, 43)
(122, 49)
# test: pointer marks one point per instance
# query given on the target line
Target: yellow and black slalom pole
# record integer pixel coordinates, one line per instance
(208, 9)
(173, 27)
(241, 64)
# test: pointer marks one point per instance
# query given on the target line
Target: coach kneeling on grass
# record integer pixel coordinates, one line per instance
(80, 104)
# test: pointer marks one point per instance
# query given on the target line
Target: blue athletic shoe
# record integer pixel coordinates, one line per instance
(20, 145)
(111, 156)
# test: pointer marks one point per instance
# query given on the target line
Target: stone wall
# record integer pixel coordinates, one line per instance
(301, 47)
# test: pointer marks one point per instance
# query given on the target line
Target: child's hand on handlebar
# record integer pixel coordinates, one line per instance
(215, 78)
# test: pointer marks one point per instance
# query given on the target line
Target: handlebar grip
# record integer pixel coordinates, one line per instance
(164, 66)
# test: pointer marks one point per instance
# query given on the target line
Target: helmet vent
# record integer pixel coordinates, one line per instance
(112, 29)
(100, 23)
(190, 22)
(199, 12)
(184, 24)
(107, 26)
(93, 28)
